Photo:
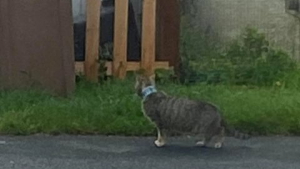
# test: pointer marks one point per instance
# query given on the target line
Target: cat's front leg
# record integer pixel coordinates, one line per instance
(218, 138)
(201, 143)
(161, 138)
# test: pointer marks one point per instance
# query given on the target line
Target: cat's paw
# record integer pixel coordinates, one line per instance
(200, 143)
(218, 145)
(159, 143)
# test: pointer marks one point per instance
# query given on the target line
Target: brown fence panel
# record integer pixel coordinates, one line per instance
(168, 32)
(36, 45)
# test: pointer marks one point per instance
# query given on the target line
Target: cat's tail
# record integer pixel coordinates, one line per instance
(233, 132)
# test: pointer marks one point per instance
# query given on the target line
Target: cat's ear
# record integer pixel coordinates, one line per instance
(152, 79)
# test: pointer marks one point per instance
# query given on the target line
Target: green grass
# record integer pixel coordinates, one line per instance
(113, 108)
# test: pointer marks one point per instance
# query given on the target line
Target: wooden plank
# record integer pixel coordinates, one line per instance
(168, 32)
(79, 68)
(120, 38)
(92, 39)
(148, 36)
(131, 66)
(162, 65)
(35, 59)
(67, 45)
(109, 66)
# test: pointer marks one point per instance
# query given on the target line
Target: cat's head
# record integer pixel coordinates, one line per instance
(143, 81)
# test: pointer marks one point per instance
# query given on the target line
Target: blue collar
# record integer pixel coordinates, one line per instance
(147, 91)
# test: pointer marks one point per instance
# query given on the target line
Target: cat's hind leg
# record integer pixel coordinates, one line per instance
(161, 138)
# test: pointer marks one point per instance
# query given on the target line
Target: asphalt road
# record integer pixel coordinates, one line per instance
(100, 152)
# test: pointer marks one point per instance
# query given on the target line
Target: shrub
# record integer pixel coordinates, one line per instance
(248, 60)
(253, 61)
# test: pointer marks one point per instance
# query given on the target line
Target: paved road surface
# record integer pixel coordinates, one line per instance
(99, 152)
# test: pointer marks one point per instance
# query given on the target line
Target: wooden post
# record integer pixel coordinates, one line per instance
(120, 38)
(92, 39)
(148, 36)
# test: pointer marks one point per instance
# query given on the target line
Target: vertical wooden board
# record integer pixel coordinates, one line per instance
(168, 32)
(37, 45)
(120, 38)
(5, 50)
(148, 36)
(92, 39)
(67, 45)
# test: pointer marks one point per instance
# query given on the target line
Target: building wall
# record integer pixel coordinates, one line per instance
(225, 19)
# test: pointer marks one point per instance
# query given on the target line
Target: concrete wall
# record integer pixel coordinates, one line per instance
(224, 20)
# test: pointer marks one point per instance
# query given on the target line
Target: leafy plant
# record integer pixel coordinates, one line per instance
(105, 54)
(196, 52)
(248, 60)
(254, 61)
(164, 76)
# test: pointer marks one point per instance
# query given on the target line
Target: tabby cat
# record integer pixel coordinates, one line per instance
(181, 115)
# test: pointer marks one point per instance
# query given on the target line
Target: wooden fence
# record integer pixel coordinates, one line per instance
(37, 46)
(119, 66)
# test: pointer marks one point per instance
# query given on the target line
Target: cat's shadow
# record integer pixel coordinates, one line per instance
(182, 150)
